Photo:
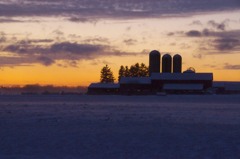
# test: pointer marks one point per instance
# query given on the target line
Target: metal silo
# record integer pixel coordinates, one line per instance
(167, 63)
(154, 62)
(177, 64)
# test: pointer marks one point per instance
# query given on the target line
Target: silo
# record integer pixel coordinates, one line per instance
(167, 63)
(177, 64)
(154, 61)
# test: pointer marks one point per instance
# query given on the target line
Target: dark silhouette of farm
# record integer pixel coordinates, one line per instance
(164, 76)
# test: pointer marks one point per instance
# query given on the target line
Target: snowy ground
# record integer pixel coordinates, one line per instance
(116, 127)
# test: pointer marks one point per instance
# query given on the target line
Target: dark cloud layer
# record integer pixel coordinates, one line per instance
(226, 43)
(217, 41)
(193, 33)
(45, 60)
(75, 48)
(33, 51)
(82, 10)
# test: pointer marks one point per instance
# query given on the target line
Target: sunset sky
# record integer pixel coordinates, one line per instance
(67, 42)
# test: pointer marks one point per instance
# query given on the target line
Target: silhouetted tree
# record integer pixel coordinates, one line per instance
(121, 72)
(143, 71)
(137, 70)
(127, 72)
(106, 75)
(134, 70)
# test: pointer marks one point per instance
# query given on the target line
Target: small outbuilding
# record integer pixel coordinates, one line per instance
(103, 88)
(226, 87)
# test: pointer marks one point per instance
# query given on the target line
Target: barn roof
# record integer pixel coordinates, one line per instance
(135, 80)
(182, 76)
(104, 85)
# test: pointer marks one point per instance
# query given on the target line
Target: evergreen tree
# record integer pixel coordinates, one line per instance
(136, 70)
(121, 72)
(106, 75)
(132, 71)
(127, 72)
(143, 71)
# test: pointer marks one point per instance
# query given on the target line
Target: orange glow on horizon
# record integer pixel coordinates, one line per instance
(56, 76)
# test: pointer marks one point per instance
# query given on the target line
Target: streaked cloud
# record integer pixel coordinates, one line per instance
(226, 44)
(231, 67)
(9, 20)
(193, 33)
(34, 51)
(96, 39)
(210, 41)
(81, 10)
(130, 41)
(77, 19)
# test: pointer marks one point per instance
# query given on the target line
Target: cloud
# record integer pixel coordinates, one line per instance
(81, 19)
(96, 39)
(96, 62)
(45, 60)
(224, 44)
(210, 33)
(177, 33)
(29, 52)
(213, 41)
(68, 63)
(219, 26)
(58, 34)
(75, 48)
(212, 66)
(2, 37)
(184, 46)
(26, 48)
(196, 22)
(40, 40)
(9, 20)
(16, 61)
(170, 34)
(128, 28)
(130, 41)
(231, 67)
(83, 10)
(193, 33)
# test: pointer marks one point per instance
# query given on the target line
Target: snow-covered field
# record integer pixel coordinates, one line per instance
(116, 127)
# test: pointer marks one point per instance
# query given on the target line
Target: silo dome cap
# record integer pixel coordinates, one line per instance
(167, 56)
(177, 55)
(154, 52)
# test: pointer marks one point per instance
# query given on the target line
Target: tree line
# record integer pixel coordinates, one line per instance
(136, 70)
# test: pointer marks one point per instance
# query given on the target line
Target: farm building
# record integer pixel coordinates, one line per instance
(170, 80)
